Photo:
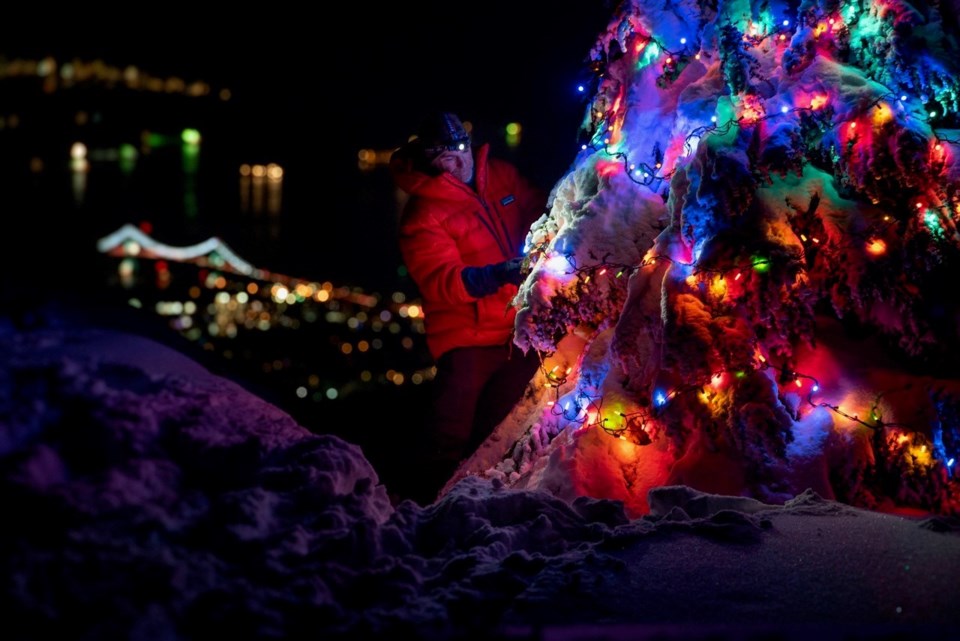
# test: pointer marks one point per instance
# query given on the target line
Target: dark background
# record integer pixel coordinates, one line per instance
(310, 87)
(323, 82)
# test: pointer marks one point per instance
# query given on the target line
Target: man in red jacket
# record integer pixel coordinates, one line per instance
(462, 232)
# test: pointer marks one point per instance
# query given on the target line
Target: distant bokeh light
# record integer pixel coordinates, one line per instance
(513, 131)
(190, 136)
(127, 158)
(261, 188)
(131, 76)
(368, 159)
(46, 67)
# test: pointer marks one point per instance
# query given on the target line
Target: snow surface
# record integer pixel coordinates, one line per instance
(150, 499)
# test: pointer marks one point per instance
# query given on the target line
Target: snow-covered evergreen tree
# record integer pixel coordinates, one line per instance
(758, 245)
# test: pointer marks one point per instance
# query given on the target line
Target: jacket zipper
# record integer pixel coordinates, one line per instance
(488, 222)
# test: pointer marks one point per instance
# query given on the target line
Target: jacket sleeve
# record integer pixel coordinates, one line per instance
(431, 255)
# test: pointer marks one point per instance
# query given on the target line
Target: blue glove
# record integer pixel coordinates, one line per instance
(483, 281)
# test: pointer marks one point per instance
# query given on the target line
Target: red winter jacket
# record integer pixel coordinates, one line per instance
(446, 226)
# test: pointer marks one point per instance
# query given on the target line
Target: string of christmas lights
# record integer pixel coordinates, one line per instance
(588, 410)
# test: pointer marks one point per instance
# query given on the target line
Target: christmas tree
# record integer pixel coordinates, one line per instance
(754, 254)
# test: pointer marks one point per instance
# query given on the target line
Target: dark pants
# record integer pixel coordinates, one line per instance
(474, 390)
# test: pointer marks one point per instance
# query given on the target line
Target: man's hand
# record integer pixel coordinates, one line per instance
(510, 271)
(486, 280)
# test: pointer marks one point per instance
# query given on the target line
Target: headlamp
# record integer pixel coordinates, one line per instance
(461, 144)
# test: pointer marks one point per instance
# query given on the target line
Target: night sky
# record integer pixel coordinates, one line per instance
(360, 74)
